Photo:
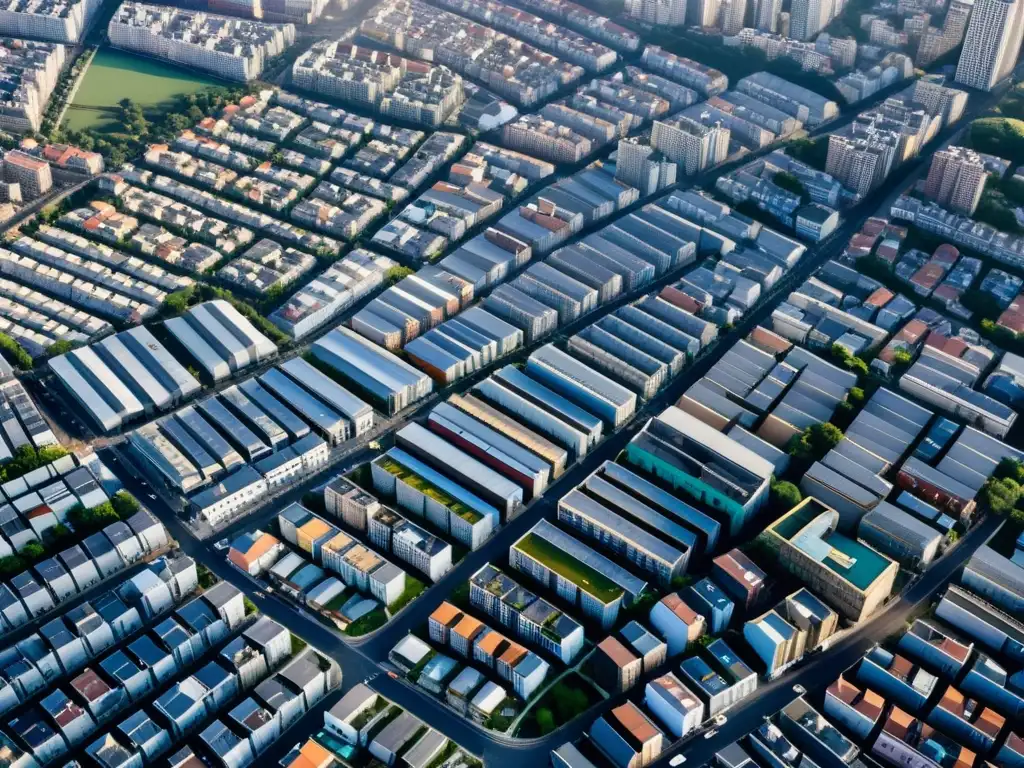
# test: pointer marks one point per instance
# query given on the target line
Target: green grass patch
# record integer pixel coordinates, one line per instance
(563, 702)
(374, 620)
(115, 75)
(413, 589)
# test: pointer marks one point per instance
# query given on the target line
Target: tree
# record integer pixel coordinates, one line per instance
(545, 721)
(60, 347)
(568, 702)
(812, 152)
(784, 496)
(815, 441)
(11, 565)
(842, 356)
(124, 504)
(1010, 468)
(88, 521)
(855, 395)
(902, 358)
(999, 497)
(33, 552)
(1000, 136)
(397, 274)
(791, 183)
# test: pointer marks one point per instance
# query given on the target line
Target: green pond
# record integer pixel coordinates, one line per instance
(115, 75)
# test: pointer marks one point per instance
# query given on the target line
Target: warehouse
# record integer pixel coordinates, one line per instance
(507, 336)
(622, 234)
(383, 325)
(445, 300)
(644, 551)
(778, 458)
(545, 405)
(633, 507)
(441, 365)
(568, 296)
(208, 437)
(597, 584)
(707, 529)
(388, 381)
(240, 436)
(635, 271)
(900, 535)
(449, 284)
(491, 448)
(657, 348)
(358, 413)
(556, 457)
(581, 384)
(562, 431)
(699, 459)
(293, 426)
(328, 423)
(487, 259)
(491, 486)
(576, 263)
(850, 500)
(160, 454)
(690, 324)
(620, 360)
(457, 335)
(220, 339)
(135, 375)
(251, 415)
(454, 514)
(96, 388)
(688, 345)
(193, 450)
(939, 488)
(510, 304)
(655, 241)
(671, 223)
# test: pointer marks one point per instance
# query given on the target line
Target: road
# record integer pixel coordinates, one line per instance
(361, 658)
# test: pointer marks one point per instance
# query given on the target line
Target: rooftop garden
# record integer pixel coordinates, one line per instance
(428, 489)
(568, 567)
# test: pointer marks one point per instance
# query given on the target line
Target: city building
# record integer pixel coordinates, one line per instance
(675, 706)
(808, 18)
(614, 667)
(862, 163)
(956, 179)
(711, 467)
(739, 577)
(718, 676)
(644, 167)
(30, 173)
(57, 22)
(627, 737)
(575, 572)
(796, 626)
(403, 89)
(692, 146)
(708, 599)
(234, 49)
(677, 623)
(851, 577)
(658, 13)
(30, 71)
(991, 44)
